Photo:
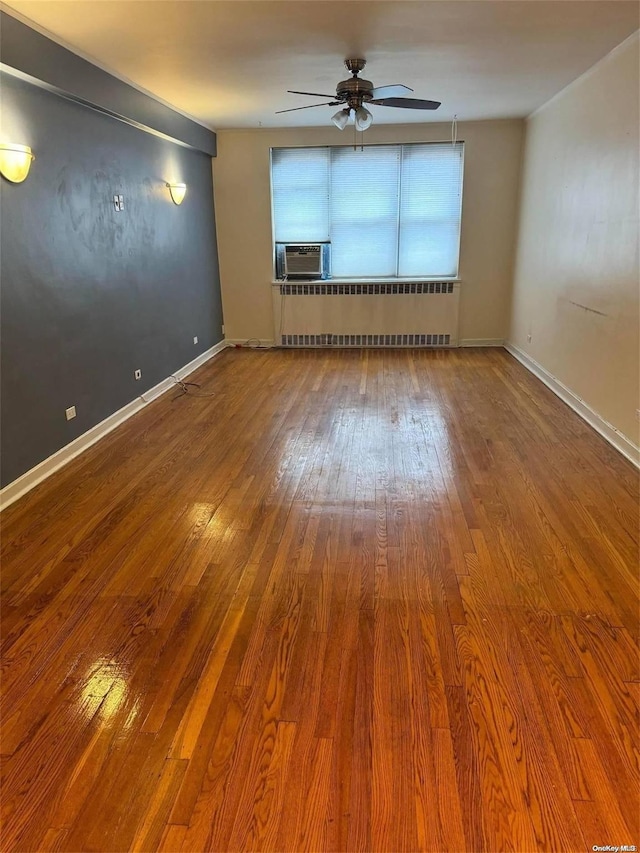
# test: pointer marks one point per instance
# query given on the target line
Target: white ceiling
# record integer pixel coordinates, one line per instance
(228, 63)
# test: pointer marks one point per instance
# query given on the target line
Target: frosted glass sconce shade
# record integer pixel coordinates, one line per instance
(15, 161)
(178, 192)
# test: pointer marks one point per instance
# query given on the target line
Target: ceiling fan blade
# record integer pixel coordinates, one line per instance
(315, 94)
(328, 104)
(407, 103)
(397, 90)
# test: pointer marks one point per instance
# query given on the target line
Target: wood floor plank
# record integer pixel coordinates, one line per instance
(373, 600)
(304, 814)
(618, 822)
(259, 831)
(342, 751)
(393, 764)
(449, 804)
(496, 740)
(360, 801)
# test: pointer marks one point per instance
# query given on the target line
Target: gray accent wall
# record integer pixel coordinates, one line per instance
(90, 294)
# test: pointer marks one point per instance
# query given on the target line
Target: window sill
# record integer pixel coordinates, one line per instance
(364, 280)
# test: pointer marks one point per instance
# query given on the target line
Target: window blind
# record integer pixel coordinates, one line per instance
(300, 185)
(388, 210)
(364, 211)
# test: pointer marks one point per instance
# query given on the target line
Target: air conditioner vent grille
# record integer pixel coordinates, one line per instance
(326, 340)
(328, 288)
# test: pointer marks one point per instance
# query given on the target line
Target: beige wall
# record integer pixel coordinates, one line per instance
(243, 214)
(576, 282)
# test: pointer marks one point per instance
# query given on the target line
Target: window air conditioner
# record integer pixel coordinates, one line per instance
(303, 260)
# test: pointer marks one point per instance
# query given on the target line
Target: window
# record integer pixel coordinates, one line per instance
(388, 210)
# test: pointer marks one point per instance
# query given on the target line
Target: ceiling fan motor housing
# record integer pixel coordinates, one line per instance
(355, 90)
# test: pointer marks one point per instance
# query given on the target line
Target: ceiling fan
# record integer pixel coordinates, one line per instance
(356, 92)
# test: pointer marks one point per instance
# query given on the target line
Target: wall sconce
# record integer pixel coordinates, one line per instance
(15, 161)
(178, 192)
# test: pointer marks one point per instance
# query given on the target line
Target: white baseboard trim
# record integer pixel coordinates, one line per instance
(157, 390)
(201, 359)
(615, 438)
(169, 382)
(27, 481)
(251, 343)
(481, 342)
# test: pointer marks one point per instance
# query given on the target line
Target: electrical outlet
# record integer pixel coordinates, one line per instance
(137, 374)
(118, 202)
(223, 328)
(70, 413)
(195, 339)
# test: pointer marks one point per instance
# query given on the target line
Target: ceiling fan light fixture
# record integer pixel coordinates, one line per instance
(363, 118)
(341, 118)
(355, 92)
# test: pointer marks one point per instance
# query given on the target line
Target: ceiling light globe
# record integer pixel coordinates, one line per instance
(363, 118)
(341, 118)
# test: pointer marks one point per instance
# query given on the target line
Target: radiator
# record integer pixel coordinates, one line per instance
(378, 314)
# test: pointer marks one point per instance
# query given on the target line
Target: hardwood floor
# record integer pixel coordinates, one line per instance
(376, 600)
